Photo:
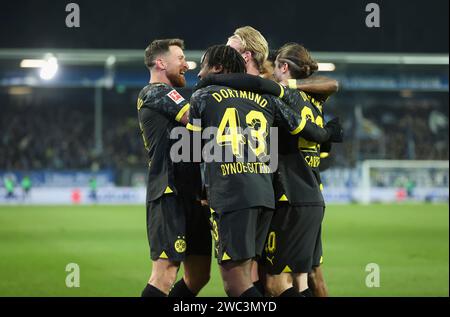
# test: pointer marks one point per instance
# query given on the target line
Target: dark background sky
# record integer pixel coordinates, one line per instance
(322, 25)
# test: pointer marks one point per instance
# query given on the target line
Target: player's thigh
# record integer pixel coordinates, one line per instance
(198, 228)
(197, 268)
(240, 235)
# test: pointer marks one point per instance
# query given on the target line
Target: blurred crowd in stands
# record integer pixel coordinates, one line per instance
(61, 137)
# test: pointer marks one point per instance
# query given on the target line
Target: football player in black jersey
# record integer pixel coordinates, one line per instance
(296, 226)
(240, 192)
(253, 47)
(294, 243)
(177, 224)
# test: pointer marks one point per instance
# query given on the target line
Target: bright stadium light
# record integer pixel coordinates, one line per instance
(192, 65)
(327, 67)
(49, 69)
(32, 63)
(111, 60)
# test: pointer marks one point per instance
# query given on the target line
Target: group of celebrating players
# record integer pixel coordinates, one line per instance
(265, 221)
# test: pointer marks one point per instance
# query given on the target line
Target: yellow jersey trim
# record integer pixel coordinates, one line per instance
(299, 128)
(140, 103)
(182, 112)
(193, 128)
(282, 91)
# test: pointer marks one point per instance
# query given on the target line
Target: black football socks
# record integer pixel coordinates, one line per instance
(251, 292)
(180, 289)
(151, 291)
(291, 292)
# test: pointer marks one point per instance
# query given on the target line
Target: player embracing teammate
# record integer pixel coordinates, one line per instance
(177, 224)
(242, 196)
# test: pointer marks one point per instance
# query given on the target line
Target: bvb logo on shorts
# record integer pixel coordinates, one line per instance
(180, 245)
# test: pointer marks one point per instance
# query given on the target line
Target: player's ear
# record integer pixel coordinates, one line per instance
(217, 69)
(285, 67)
(247, 55)
(160, 63)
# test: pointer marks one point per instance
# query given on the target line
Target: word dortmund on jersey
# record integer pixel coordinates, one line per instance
(298, 177)
(298, 180)
(160, 108)
(242, 184)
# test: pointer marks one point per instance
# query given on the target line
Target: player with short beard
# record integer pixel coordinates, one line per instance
(177, 224)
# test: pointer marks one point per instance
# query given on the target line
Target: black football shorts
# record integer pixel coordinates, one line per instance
(240, 234)
(292, 239)
(177, 226)
(318, 252)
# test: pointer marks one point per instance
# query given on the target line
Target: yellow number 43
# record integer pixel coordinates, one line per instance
(230, 133)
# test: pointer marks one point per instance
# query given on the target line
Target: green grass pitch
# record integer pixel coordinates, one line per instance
(109, 243)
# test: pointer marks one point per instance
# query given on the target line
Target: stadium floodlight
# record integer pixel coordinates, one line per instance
(32, 63)
(111, 61)
(192, 65)
(327, 67)
(49, 69)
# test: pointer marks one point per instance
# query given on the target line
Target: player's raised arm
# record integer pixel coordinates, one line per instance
(318, 85)
(302, 127)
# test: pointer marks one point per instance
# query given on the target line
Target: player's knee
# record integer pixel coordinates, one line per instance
(317, 283)
(234, 285)
(236, 277)
(164, 275)
(197, 281)
(274, 286)
(312, 276)
(203, 279)
(228, 287)
(233, 288)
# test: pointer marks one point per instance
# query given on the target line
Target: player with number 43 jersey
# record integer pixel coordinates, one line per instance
(240, 191)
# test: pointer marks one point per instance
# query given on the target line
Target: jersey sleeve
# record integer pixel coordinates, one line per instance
(247, 82)
(165, 100)
(197, 106)
(290, 119)
(295, 97)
